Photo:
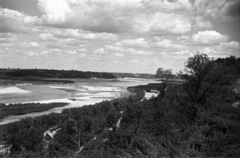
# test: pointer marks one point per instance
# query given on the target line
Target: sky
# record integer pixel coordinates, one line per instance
(135, 36)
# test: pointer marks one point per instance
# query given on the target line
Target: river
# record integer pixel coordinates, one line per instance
(82, 92)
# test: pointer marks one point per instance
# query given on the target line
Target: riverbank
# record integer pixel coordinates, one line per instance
(82, 92)
(21, 109)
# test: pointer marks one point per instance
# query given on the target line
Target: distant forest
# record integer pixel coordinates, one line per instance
(198, 118)
(33, 74)
(51, 73)
(20, 109)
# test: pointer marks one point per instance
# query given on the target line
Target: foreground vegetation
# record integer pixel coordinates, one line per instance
(195, 119)
(20, 109)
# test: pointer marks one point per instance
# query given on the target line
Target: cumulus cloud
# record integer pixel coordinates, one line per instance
(201, 23)
(168, 6)
(46, 37)
(7, 38)
(210, 51)
(139, 42)
(153, 16)
(162, 23)
(82, 49)
(99, 36)
(3, 44)
(209, 38)
(14, 21)
(183, 52)
(72, 52)
(114, 16)
(81, 55)
(118, 54)
(75, 33)
(72, 42)
(54, 46)
(168, 45)
(109, 49)
(213, 8)
(66, 33)
(223, 50)
(99, 15)
(100, 51)
(233, 45)
(134, 61)
(138, 52)
(156, 43)
(31, 44)
(183, 38)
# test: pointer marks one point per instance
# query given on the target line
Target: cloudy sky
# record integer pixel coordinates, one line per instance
(116, 35)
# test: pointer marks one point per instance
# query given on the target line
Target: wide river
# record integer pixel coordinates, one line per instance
(82, 92)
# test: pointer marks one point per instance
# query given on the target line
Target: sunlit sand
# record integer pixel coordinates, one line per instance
(12, 90)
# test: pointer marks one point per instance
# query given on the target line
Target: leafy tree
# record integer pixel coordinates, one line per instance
(196, 70)
(165, 76)
(204, 78)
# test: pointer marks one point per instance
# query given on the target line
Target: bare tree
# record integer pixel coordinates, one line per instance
(165, 76)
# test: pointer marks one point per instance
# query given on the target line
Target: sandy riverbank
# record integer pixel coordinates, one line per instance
(7, 90)
(71, 104)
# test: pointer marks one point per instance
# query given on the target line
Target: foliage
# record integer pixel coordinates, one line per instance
(33, 73)
(165, 76)
(20, 109)
(184, 123)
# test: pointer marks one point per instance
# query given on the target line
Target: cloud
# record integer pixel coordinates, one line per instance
(66, 33)
(3, 44)
(183, 38)
(71, 42)
(168, 45)
(14, 21)
(99, 36)
(118, 54)
(233, 45)
(138, 52)
(134, 61)
(209, 38)
(7, 38)
(168, 6)
(223, 50)
(157, 43)
(115, 16)
(75, 33)
(139, 42)
(72, 52)
(211, 52)
(148, 16)
(31, 44)
(201, 23)
(183, 52)
(34, 44)
(213, 8)
(100, 51)
(82, 49)
(82, 55)
(46, 37)
(99, 15)
(183, 55)
(55, 46)
(109, 49)
(162, 23)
